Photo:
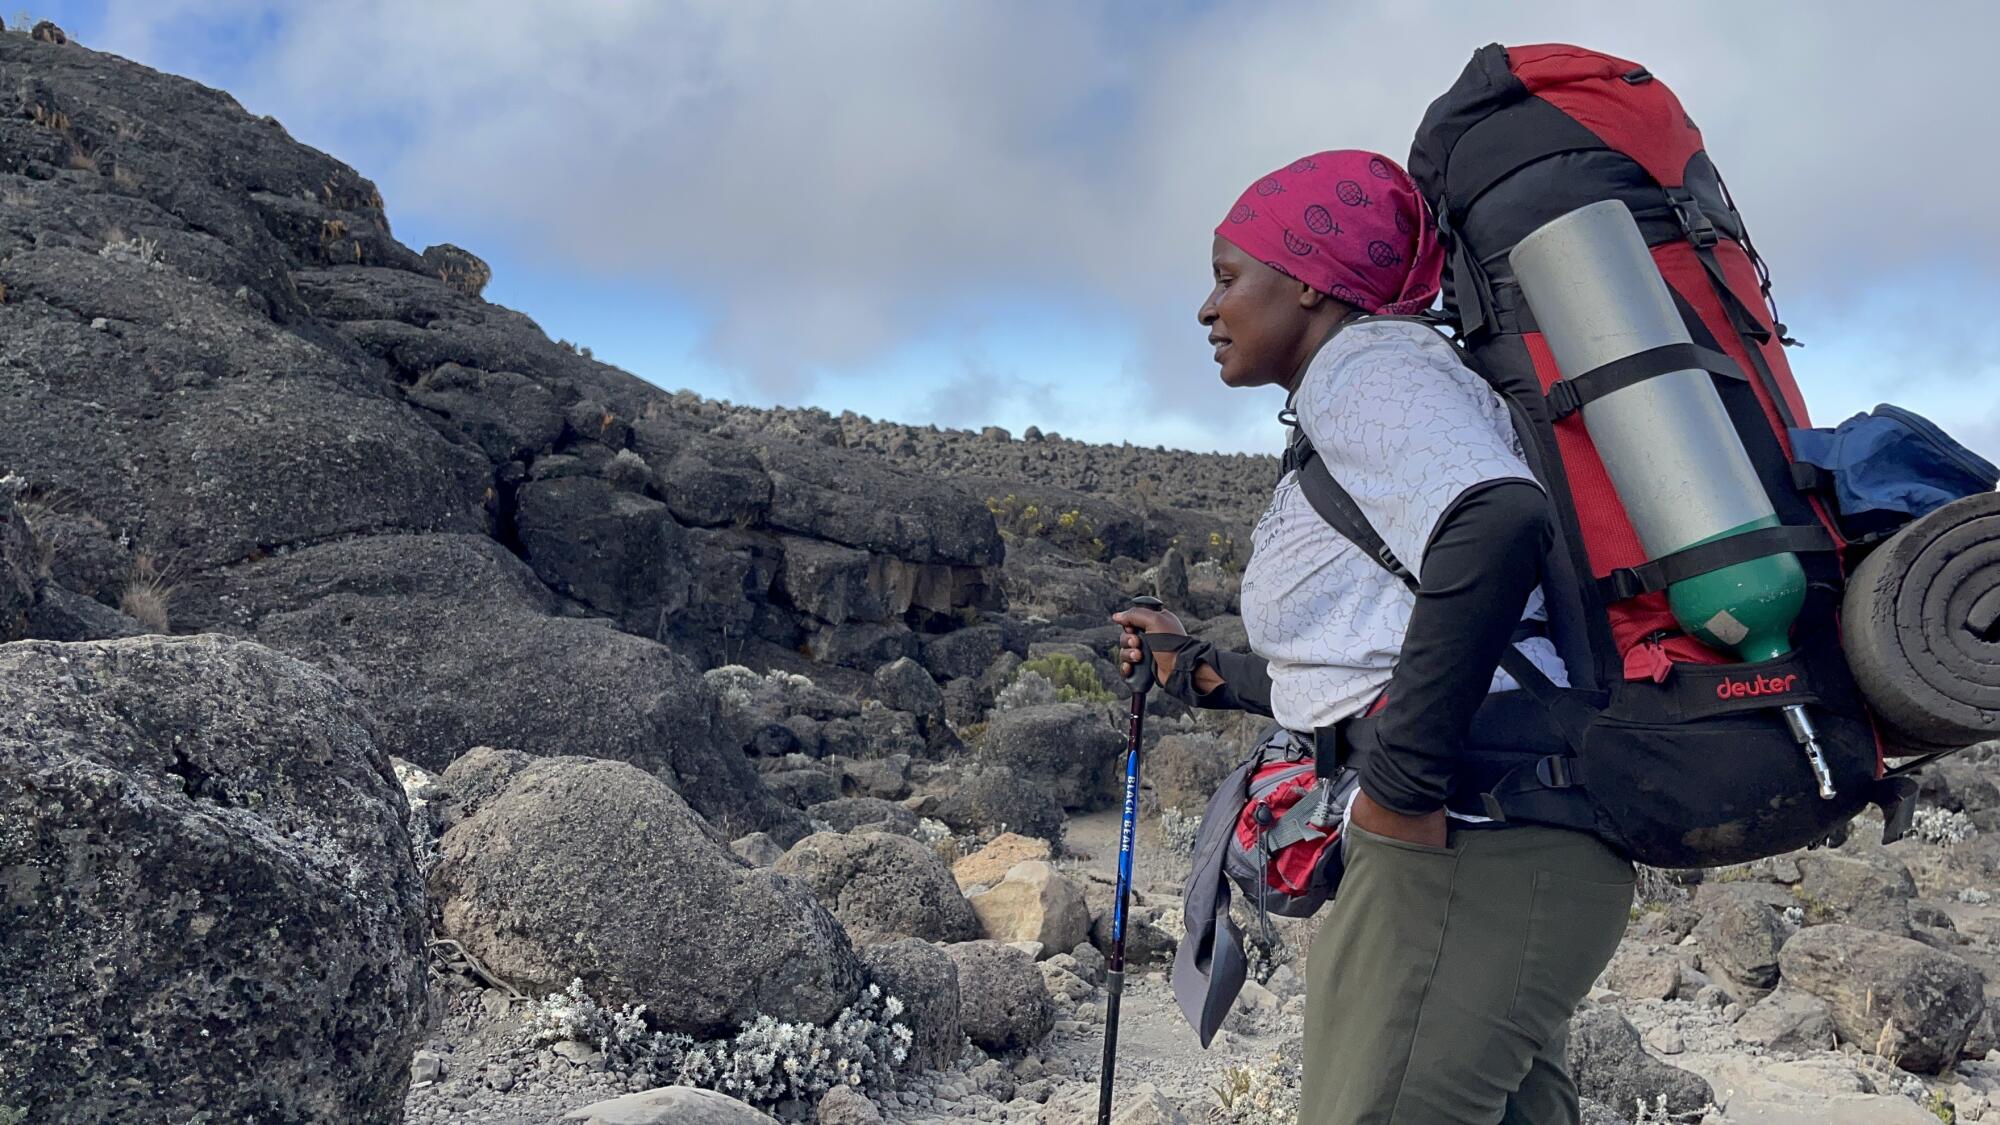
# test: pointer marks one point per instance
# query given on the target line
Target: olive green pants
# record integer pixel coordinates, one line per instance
(1440, 989)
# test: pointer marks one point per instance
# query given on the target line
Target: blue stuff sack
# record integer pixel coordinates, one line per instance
(1887, 467)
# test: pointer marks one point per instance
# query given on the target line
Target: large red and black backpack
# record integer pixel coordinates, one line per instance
(1676, 753)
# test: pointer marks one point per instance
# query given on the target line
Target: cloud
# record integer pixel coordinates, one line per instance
(827, 182)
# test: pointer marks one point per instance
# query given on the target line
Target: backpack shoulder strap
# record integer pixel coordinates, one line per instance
(1341, 513)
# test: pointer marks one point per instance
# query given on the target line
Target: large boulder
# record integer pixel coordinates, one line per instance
(1070, 747)
(996, 799)
(1185, 769)
(1610, 1064)
(991, 862)
(578, 868)
(1788, 1020)
(833, 494)
(1859, 892)
(882, 885)
(1903, 1000)
(849, 814)
(963, 653)
(212, 910)
(905, 686)
(507, 415)
(707, 481)
(1034, 903)
(620, 553)
(453, 644)
(925, 978)
(1003, 1002)
(1740, 937)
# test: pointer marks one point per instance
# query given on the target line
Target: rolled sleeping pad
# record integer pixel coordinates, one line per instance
(1921, 627)
(1667, 443)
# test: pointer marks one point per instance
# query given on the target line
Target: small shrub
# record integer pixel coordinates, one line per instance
(1070, 531)
(1026, 689)
(148, 597)
(1259, 1095)
(1074, 681)
(10, 1115)
(1178, 831)
(1943, 827)
(143, 252)
(765, 1062)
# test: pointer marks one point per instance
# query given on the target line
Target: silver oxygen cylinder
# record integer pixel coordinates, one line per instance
(1673, 456)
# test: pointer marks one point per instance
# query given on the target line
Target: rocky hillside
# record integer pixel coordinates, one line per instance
(404, 715)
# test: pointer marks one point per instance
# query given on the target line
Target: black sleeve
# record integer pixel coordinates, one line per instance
(1246, 679)
(1482, 563)
(1246, 683)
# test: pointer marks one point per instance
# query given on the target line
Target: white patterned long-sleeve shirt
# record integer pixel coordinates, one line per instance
(1406, 429)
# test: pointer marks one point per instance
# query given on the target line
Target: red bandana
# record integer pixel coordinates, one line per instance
(1350, 224)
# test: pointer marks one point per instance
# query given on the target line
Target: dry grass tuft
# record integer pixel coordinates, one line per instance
(149, 595)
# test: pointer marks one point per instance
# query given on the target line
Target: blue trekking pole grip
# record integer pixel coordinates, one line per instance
(1140, 680)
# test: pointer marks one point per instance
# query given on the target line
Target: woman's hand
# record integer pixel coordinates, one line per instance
(1428, 829)
(1131, 653)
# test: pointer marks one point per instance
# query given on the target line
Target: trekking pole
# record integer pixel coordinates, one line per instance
(1140, 680)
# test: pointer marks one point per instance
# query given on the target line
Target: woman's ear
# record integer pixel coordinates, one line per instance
(1310, 298)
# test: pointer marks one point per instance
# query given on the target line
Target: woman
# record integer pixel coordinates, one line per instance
(1441, 984)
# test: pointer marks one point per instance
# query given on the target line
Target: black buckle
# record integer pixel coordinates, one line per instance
(1694, 222)
(1554, 772)
(1563, 400)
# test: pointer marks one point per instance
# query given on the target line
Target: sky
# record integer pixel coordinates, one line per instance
(976, 212)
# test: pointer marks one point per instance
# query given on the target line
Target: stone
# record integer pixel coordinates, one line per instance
(1004, 1004)
(509, 416)
(925, 978)
(579, 865)
(851, 814)
(1069, 747)
(1901, 999)
(619, 553)
(425, 1068)
(844, 1105)
(62, 615)
(991, 863)
(887, 778)
(205, 853)
(1034, 903)
(1145, 1104)
(906, 686)
(1644, 973)
(996, 799)
(475, 777)
(1185, 770)
(417, 625)
(1740, 937)
(1856, 892)
(834, 584)
(459, 268)
(963, 653)
(757, 848)
(1788, 1019)
(1610, 1064)
(861, 645)
(1146, 942)
(803, 788)
(882, 885)
(670, 1105)
(22, 570)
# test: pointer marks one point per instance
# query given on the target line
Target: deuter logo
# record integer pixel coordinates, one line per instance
(1761, 685)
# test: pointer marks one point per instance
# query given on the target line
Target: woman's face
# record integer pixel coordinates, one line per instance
(1257, 318)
